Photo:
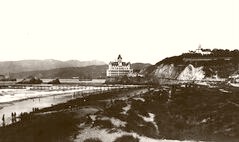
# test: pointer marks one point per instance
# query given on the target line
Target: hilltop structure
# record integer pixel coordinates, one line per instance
(118, 68)
(201, 51)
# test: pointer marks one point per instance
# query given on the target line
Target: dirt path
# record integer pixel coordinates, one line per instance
(87, 131)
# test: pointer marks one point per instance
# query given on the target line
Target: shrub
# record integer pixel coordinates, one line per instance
(93, 140)
(126, 138)
(104, 124)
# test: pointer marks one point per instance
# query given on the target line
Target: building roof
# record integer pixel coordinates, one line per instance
(119, 57)
(116, 63)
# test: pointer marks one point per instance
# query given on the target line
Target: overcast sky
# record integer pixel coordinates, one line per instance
(139, 30)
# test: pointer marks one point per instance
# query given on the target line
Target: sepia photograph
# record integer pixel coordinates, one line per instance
(119, 70)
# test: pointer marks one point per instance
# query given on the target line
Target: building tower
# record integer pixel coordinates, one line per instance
(119, 59)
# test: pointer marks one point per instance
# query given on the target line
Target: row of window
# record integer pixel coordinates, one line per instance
(119, 67)
(119, 70)
(116, 74)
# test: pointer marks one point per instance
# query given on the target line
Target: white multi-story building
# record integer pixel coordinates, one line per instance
(118, 68)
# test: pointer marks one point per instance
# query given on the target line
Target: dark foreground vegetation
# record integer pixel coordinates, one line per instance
(58, 123)
(191, 113)
(42, 128)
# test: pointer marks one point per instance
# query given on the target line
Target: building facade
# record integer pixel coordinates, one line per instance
(118, 68)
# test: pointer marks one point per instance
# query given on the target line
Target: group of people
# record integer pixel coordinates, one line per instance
(34, 109)
(14, 118)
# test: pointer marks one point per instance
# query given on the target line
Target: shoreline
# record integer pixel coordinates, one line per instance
(153, 113)
(35, 97)
(80, 116)
(63, 114)
(49, 98)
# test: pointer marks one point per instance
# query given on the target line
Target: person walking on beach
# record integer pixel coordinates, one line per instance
(3, 117)
(3, 120)
(12, 114)
(14, 117)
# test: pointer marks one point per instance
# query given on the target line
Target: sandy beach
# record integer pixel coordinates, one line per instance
(138, 114)
(24, 100)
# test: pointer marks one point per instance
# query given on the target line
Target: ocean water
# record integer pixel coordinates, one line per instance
(24, 100)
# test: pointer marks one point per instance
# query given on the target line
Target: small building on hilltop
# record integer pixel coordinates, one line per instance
(118, 68)
(201, 51)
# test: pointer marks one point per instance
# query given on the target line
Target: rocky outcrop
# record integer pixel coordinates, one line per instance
(170, 73)
(166, 71)
(191, 73)
(31, 80)
(54, 81)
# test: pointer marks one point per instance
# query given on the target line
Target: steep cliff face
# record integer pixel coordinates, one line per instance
(192, 73)
(191, 67)
(171, 72)
(166, 71)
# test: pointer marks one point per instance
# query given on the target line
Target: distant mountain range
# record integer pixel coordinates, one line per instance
(92, 71)
(34, 65)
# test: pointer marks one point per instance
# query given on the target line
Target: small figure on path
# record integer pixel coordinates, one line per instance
(3, 120)
(12, 114)
(3, 117)
(14, 117)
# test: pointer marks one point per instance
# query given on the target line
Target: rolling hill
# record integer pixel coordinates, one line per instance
(93, 71)
(33, 65)
(68, 72)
